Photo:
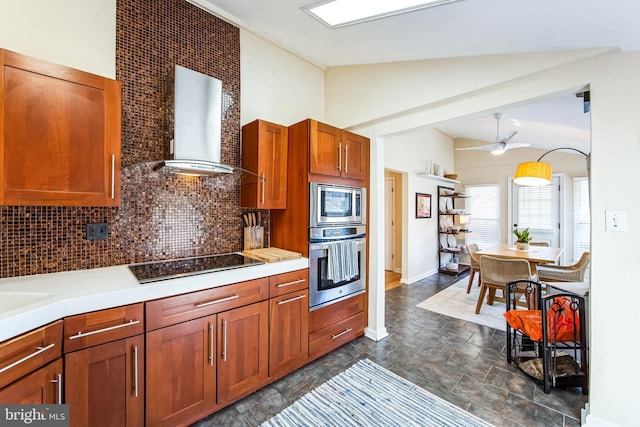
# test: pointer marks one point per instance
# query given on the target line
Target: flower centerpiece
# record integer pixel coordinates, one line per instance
(522, 244)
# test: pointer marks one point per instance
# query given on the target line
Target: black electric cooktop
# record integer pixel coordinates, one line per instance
(172, 269)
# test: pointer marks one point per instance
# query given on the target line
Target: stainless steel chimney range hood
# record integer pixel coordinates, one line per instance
(194, 124)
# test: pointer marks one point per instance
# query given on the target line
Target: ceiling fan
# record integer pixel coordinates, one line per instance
(502, 143)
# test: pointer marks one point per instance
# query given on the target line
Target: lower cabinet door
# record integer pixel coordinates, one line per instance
(181, 372)
(243, 350)
(288, 332)
(105, 384)
(43, 386)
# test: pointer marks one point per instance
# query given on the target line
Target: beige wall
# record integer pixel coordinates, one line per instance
(76, 33)
(276, 85)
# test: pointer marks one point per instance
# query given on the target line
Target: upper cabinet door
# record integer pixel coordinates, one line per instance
(325, 149)
(355, 155)
(60, 131)
(265, 153)
(337, 153)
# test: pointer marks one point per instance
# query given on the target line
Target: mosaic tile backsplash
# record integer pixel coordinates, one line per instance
(162, 216)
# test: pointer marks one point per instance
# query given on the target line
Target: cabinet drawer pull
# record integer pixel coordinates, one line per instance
(262, 185)
(291, 299)
(113, 176)
(24, 359)
(58, 388)
(211, 344)
(346, 331)
(110, 328)
(295, 282)
(204, 304)
(346, 158)
(340, 156)
(135, 371)
(224, 340)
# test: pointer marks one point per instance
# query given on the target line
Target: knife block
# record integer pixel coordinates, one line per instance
(253, 237)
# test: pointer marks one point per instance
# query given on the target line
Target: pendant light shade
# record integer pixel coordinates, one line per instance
(533, 174)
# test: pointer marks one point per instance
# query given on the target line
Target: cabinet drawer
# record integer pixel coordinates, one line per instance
(89, 329)
(27, 352)
(180, 308)
(292, 281)
(326, 316)
(334, 336)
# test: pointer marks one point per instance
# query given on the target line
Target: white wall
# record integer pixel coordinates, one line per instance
(615, 131)
(77, 33)
(277, 86)
(419, 235)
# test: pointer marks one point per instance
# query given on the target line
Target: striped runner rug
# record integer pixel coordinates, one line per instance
(369, 395)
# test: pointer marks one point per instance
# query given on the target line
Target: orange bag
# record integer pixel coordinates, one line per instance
(560, 314)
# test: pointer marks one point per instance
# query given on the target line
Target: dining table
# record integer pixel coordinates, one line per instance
(535, 254)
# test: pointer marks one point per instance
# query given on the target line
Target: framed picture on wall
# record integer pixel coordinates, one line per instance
(423, 205)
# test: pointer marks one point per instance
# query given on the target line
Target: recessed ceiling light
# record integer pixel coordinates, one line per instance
(338, 13)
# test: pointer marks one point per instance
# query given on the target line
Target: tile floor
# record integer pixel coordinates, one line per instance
(461, 362)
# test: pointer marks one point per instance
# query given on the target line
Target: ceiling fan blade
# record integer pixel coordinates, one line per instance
(480, 147)
(507, 137)
(518, 145)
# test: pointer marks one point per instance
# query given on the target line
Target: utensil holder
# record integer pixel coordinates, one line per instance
(253, 237)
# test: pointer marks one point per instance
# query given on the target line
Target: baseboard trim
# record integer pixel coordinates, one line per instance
(592, 421)
(418, 278)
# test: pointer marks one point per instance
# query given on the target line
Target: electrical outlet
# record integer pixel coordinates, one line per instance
(97, 231)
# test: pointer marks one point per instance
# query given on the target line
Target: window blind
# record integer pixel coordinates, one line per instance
(483, 205)
(581, 217)
(535, 207)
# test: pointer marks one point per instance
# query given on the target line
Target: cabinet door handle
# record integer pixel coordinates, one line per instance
(262, 182)
(211, 344)
(346, 331)
(113, 176)
(58, 380)
(346, 158)
(24, 359)
(340, 156)
(99, 331)
(135, 371)
(217, 301)
(295, 282)
(224, 340)
(291, 299)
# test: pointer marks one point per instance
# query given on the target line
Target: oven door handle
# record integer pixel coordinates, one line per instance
(320, 246)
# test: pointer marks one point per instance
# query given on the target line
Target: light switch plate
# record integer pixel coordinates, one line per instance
(615, 220)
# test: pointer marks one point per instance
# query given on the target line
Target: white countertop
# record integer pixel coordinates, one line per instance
(82, 291)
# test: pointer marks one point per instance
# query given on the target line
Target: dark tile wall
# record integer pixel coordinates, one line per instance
(162, 215)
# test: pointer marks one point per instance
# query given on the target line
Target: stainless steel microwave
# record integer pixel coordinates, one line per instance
(332, 204)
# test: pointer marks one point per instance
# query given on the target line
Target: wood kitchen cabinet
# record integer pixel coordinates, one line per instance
(336, 152)
(104, 367)
(60, 132)
(181, 372)
(264, 152)
(336, 324)
(243, 350)
(31, 366)
(288, 322)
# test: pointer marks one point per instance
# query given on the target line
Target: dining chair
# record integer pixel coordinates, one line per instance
(495, 273)
(472, 248)
(545, 244)
(569, 273)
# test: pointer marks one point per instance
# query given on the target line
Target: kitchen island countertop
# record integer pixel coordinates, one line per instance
(44, 298)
